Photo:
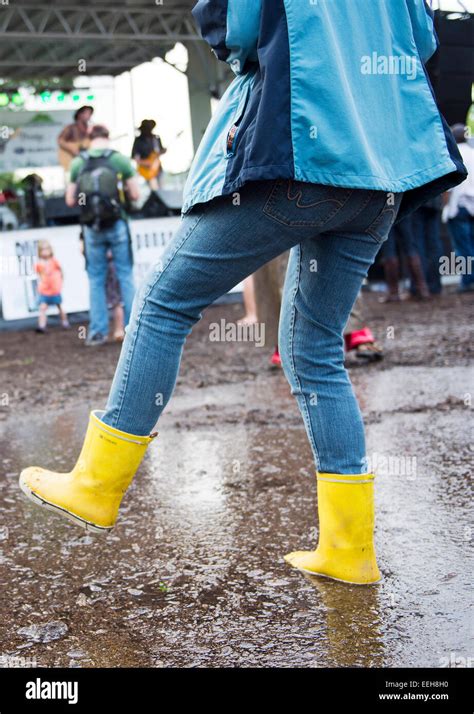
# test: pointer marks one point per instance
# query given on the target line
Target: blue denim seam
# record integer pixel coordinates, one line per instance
(303, 403)
(151, 287)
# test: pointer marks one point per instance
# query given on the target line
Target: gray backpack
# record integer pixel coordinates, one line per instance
(98, 184)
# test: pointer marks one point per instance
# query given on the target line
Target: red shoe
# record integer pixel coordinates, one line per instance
(275, 359)
(365, 345)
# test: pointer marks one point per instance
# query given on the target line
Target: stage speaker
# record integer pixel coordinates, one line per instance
(452, 68)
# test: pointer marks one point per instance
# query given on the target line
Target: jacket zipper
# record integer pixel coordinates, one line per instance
(232, 133)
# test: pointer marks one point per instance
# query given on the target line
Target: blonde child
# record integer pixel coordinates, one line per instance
(50, 285)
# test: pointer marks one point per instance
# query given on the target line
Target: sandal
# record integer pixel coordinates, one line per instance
(364, 344)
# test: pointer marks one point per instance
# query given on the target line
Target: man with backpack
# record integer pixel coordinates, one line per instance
(100, 178)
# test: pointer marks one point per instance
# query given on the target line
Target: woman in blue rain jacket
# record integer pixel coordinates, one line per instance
(327, 91)
(328, 133)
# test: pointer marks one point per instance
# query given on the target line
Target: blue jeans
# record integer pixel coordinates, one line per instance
(97, 243)
(334, 235)
(427, 232)
(462, 231)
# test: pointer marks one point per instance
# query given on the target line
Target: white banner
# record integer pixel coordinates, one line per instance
(19, 250)
(30, 139)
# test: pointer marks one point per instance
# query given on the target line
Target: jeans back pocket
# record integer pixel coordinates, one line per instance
(296, 203)
(381, 227)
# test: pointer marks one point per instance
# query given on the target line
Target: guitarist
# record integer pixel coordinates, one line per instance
(75, 137)
(147, 150)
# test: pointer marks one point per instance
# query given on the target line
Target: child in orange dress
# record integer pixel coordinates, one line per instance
(50, 285)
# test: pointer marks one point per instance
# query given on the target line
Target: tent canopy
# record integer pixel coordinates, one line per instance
(48, 38)
(40, 39)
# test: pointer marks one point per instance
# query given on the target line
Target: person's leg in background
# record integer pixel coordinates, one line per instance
(96, 251)
(407, 242)
(118, 322)
(114, 300)
(428, 245)
(42, 317)
(63, 316)
(433, 249)
(462, 231)
(391, 267)
(118, 237)
(250, 317)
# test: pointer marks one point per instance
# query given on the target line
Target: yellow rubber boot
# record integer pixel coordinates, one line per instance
(90, 494)
(346, 531)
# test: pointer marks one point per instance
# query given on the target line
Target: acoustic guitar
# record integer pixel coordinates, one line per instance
(70, 150)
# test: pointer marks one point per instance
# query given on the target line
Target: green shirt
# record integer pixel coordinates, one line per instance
(120, 163)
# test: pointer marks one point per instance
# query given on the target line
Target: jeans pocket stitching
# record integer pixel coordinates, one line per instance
(277, 215)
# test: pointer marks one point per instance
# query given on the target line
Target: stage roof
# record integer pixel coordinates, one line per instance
(40, 39)
(44, 40)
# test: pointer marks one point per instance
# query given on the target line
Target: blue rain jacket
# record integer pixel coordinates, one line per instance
(326, 91)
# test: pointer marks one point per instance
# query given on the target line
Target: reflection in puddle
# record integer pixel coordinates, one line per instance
(193, 574)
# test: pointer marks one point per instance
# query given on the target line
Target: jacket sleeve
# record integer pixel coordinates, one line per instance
(231, 28)
(422, 20)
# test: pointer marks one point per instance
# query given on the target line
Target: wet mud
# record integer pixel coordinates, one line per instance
(193, 574)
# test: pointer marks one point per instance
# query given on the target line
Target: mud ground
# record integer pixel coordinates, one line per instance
(193, 573)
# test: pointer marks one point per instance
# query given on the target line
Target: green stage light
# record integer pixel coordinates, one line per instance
(4, 99)
(61, 97)
(76, 97)
(90, 97)
(17, 99)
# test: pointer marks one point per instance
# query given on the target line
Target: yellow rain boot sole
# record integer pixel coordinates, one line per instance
(307, 561)
(60, 511)
(90, 494)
